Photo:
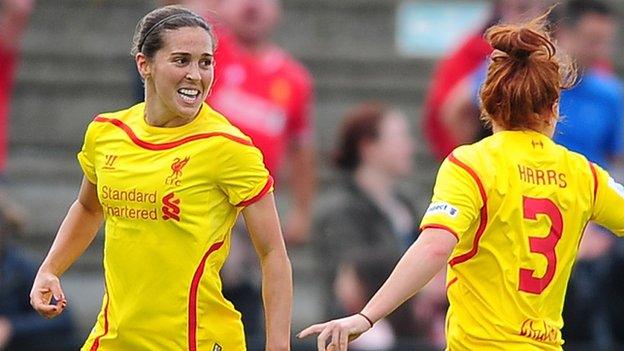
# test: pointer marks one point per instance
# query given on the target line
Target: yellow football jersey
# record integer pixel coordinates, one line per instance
(170, 197)
(518, 204)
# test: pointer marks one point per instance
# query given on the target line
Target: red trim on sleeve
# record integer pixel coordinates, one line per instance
(192, 309)
(264, 191)
(168, 145)
(96, 343)
(484, 218)
(440, 226)
(595, 175)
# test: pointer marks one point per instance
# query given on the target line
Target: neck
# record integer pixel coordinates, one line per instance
(374, 182)
(157, 115)
(547, 130)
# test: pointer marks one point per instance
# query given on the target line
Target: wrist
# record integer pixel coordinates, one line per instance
(368, 320)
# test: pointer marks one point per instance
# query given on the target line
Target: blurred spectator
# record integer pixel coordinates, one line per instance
(591, 124)
(14, 16)
(362, 209)
(447, 125)
(21, 328)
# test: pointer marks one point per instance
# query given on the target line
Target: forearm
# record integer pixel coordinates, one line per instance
(277, 297)
(302, 184)
(74, 236)
(415, 269)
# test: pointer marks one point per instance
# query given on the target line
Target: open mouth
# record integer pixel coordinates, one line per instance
(189, 95)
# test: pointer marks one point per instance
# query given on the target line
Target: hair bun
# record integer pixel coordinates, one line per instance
(520, 43)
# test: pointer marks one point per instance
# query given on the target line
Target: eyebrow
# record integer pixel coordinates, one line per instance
(188, 54)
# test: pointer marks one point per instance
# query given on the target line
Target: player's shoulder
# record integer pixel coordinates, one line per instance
(470, 155)
(108, 121)
(218, 124)
(576, 161)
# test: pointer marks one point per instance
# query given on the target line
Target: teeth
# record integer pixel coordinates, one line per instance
(189, 92)
(188, 98)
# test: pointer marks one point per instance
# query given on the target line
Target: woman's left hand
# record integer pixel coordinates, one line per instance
(339, 332)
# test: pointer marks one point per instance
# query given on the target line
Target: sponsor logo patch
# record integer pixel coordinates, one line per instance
(443, 208)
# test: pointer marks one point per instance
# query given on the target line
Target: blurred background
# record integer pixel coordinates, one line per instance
(389, 89)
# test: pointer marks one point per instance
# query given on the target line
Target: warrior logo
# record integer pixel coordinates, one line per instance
(176, 168)
(171, 210)
(110, 162)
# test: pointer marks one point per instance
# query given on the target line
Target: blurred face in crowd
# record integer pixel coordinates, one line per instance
(519, 10)
(252, 21)
(393, 150)
(179, 76)
(590, 40)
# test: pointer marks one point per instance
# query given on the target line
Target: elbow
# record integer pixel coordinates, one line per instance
(437, 253)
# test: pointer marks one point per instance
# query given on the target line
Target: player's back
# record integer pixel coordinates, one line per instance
(526, 202)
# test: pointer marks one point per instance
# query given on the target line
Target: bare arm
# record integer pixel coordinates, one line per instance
(263, 225)
(419, 264)
(303, 188)
(74, 236)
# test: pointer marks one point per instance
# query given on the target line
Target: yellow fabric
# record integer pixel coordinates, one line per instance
(506, 288)
(169, 195)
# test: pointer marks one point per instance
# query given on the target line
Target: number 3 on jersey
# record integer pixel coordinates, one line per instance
(532, 207)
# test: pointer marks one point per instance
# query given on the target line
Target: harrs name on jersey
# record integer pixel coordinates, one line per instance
(537, 176)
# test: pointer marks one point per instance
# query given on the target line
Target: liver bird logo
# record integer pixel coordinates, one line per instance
(176, 170)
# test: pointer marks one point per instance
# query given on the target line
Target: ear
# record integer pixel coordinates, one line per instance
(555, 109)
(143, 65)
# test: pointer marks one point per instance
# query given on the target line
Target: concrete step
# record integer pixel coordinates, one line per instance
(98, 27)
(363, 28)
(58, 114)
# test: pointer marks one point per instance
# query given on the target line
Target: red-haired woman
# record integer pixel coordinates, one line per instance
(507, 213)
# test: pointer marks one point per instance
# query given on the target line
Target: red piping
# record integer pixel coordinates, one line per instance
(168, 145)
(482, 224)
(260, 195)
(192, 308)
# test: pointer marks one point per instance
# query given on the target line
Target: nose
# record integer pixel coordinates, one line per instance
(193, 72)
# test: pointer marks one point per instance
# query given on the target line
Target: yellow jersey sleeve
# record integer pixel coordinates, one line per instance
(86, 156)
(608, 201)
(242, 175)
(456, 200)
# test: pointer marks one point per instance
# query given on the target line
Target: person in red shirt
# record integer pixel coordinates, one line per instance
(14, 16)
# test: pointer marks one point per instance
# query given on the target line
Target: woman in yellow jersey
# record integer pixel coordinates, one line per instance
(506, 216)
(169, 177)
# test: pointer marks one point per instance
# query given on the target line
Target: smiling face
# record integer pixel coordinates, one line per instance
(179, 76)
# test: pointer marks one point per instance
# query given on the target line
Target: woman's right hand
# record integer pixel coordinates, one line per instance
(338, 332)
(46, 287)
